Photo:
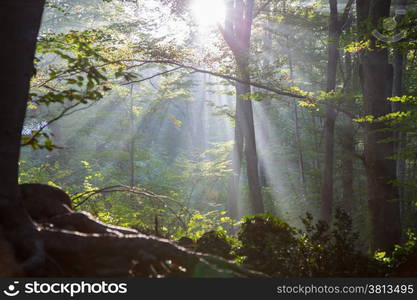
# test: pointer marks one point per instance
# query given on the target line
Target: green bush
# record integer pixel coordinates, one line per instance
(269, 245)
(272, 246)
(402, 261)
(216, 243)
(331, 252)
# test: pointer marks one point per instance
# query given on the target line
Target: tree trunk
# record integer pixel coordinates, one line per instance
(131, 140)
(376, 77)
(265, 107)
(329, 125)
(348, 146)
(20, 21)
(348, 141)
(401, 137)
(246, 124)
(237, 34)
(299, 145)
(234, 193)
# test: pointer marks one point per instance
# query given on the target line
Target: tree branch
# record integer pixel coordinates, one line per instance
(345, 15)
(38, 132)
(153, 76)
(227, 77)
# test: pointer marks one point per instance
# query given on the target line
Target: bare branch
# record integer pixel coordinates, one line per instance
(229, 77)
(136, 191)
(38, 132)
(153, 76)
(346, 13)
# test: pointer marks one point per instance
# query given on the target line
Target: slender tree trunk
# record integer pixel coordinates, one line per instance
(348, 142)
(57, 139)
(131, 140)
(234, 193)
(296, 119)
(264, 126)
(376, 77)
(263, 132)
(20, 21)
(300, 150)
(397, 90)
(347, 164)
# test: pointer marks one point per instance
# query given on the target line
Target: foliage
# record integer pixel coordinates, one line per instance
(200, 223)
(268, 245)
(216, 243)
(331, 252)
(399, 255)
(272, 246)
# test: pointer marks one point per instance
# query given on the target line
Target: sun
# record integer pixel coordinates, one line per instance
(208, 13)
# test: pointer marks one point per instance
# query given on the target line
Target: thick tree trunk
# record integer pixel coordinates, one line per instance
(246, 124)
(237, 34)
(20, 21)
(327, 185)
(329, 125)
(376, 75)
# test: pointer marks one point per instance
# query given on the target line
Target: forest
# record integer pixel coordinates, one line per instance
(208, 138)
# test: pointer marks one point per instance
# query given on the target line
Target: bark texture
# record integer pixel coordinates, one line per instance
(376, 78)
(237, 34)
(329, 124)
(20, 21)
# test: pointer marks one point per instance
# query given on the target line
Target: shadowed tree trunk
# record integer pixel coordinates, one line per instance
(348, 141)
(348, 146)
(20, 21)
(329, 124)
(335, 30)
(398, 63)
(376, 78)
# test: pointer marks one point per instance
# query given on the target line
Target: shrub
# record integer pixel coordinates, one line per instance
(331, 252)
(275, 248)
(216, 243)
(268, 245)
(403, 260)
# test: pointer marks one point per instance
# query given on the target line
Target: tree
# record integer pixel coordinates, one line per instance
(237, 34)
(376, 80)
(20, 21)
(335, 30)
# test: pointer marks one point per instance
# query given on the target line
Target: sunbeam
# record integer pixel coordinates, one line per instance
(208, 14)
